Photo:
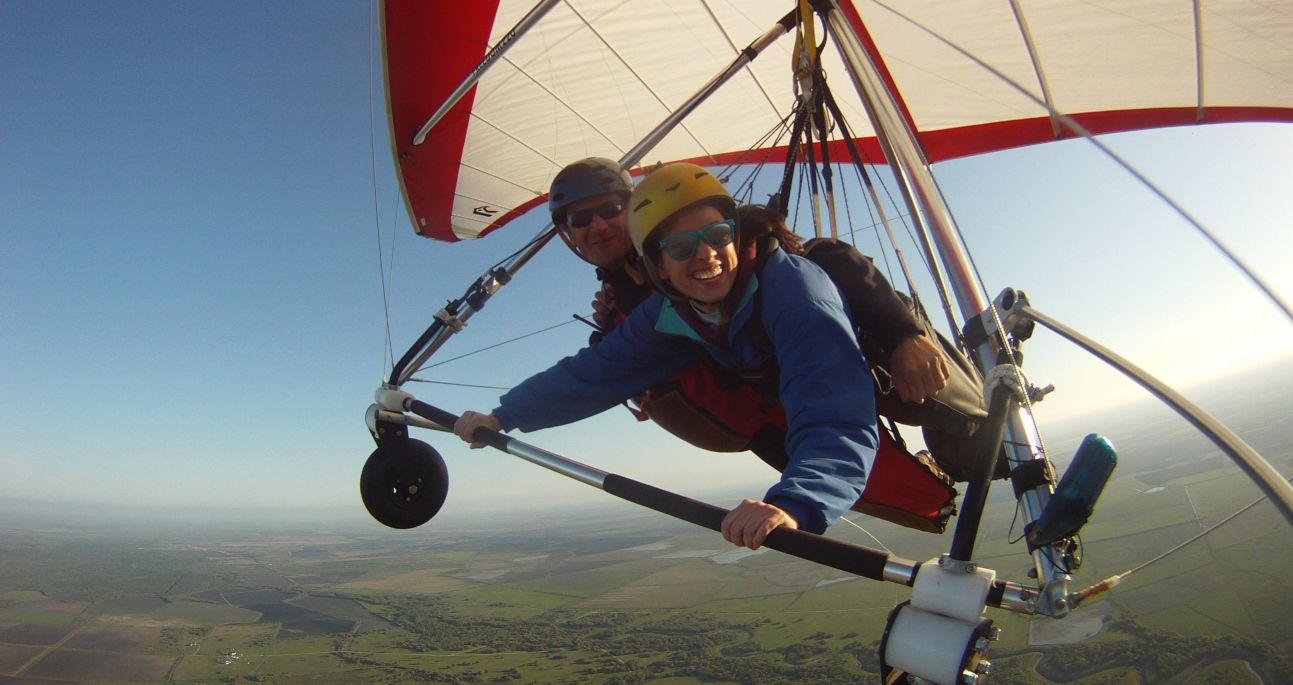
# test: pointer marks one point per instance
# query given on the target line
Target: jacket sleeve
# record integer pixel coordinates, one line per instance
(876, 307)
(630, 359)
(826, 390)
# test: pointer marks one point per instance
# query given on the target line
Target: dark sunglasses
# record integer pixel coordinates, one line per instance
(606, 210)
(682, 246)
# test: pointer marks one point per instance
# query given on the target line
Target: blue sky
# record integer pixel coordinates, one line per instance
(191, 295)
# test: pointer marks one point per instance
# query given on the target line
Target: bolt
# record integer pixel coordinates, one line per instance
(984, 667)
(994, 633)
(981, 644)
(968, 678)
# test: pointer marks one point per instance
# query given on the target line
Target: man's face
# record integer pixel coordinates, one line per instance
(602, 241)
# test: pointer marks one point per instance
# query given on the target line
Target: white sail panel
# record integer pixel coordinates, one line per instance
(594, 77)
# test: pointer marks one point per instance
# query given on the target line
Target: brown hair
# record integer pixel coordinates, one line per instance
(755, 221)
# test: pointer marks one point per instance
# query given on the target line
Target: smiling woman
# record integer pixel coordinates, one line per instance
(673, 211)
(713, 305)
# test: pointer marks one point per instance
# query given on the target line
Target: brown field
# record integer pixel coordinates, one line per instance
(56, 606)
(127, 605)
(426, 581)
(12, 657)
(31, 634)
(75, 664)
(114, 638)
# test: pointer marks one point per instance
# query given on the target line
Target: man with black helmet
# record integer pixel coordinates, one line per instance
(587, 201)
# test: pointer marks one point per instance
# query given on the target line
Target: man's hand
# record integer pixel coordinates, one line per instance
(750, 522)
(919, 369)
(606, 313)
(466, 425)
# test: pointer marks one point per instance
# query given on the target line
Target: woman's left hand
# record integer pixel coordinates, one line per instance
(749, 524)
(467, 424)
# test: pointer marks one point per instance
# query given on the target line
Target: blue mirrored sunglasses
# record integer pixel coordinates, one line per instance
(682, 246)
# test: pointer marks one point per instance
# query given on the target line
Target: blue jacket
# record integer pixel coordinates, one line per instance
(825, 382)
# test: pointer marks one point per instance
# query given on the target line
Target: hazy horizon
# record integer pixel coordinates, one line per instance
(1227, 398)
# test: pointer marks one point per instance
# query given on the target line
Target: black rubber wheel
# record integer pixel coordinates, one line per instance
(404, 483)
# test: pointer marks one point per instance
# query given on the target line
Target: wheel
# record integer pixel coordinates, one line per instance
(404, 483)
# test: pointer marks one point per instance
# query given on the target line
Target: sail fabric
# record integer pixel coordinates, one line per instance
(593, 77)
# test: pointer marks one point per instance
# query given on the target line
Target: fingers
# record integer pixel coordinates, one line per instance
(919, 369)
(466, 425)
(604, 306)
(749, 524)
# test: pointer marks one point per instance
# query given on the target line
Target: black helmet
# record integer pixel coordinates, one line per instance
(583, 179)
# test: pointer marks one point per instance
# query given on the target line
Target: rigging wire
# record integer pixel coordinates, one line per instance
(636, 76)
(388, 354)
(745, 188)
(1194, 537)
(736, 50)
(868, 533)
(460, 385)
(533, 241)
(1080, 130)
(1112, 581)
(498, 344)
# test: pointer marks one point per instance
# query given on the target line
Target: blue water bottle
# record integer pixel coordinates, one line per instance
(1074, 498)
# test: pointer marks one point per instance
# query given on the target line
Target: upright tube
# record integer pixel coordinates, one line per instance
(901, 147)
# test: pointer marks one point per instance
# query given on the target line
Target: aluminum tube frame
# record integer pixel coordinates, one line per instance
(823, 550)
(480, 292)
(491, 58)
(935, 226)
(1258, 469)
(637, 152)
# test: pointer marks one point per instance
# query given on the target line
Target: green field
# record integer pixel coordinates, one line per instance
(645, 599)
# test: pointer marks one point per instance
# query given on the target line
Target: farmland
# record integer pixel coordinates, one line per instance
(651, 601)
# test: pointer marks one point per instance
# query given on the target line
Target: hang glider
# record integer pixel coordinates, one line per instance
(481, 121)
(592, 78)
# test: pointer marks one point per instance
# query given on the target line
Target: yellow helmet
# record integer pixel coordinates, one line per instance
(666, 191)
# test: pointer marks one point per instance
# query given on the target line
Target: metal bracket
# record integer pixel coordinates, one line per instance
(391, 398)
(451, 320)
(1009, 306)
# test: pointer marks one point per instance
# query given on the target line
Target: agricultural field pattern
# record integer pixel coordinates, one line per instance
(627, 596)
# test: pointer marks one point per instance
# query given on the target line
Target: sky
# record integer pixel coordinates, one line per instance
(202, 237)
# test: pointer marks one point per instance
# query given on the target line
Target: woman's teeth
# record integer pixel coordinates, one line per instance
(707, 274)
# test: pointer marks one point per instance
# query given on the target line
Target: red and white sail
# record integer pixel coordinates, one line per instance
(593, 77)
